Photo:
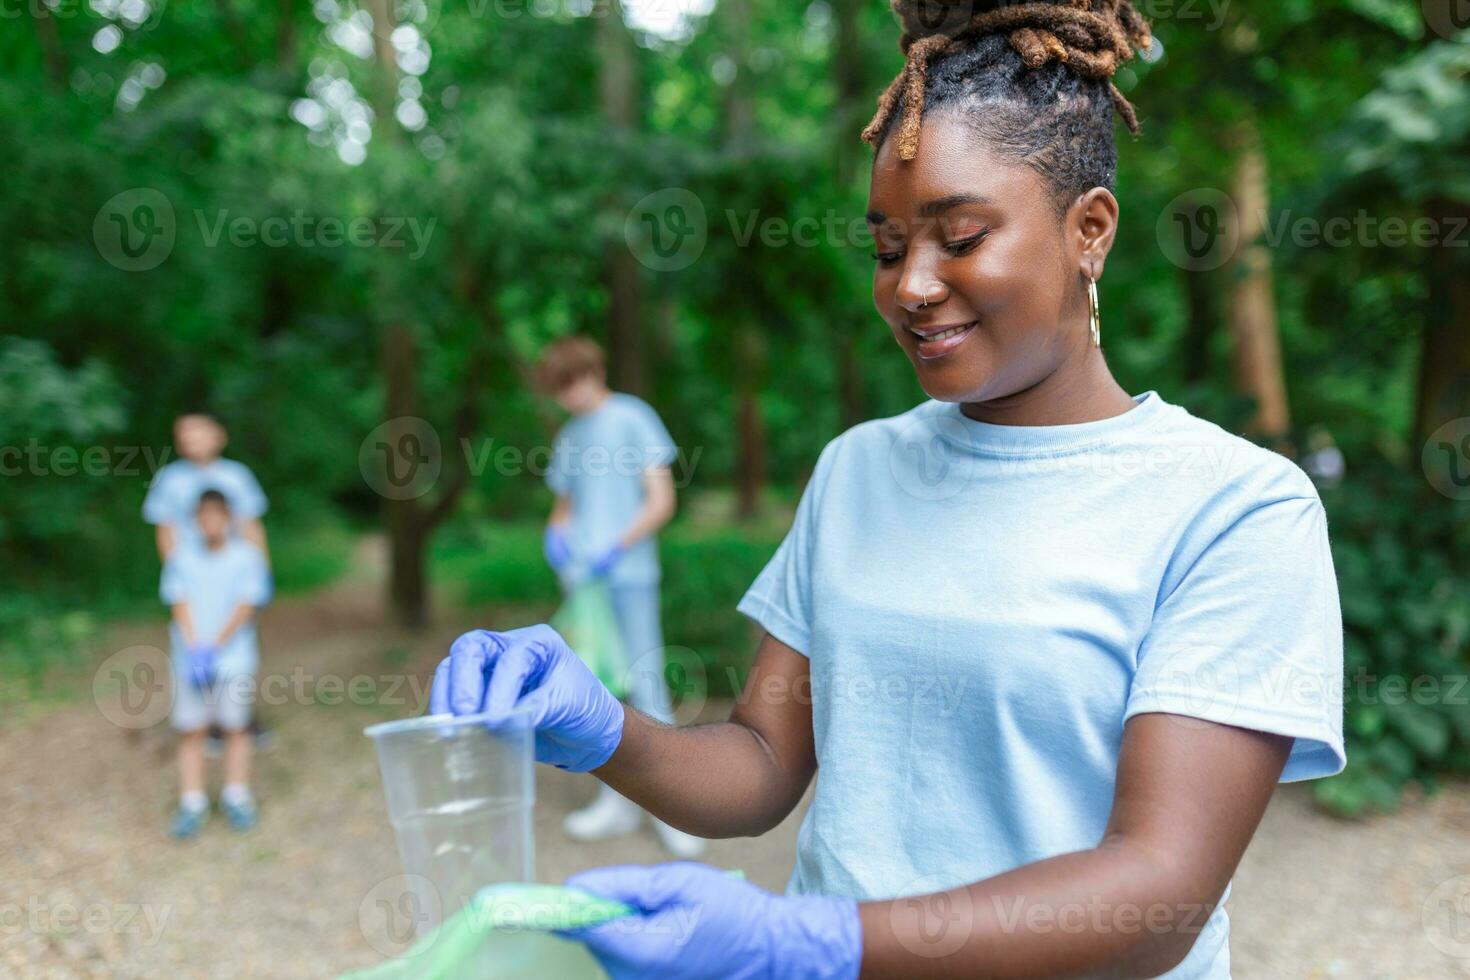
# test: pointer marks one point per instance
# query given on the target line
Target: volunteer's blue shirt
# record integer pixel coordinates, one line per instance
(213, 583)
(173, 496)
(984, 606)
(599, 461)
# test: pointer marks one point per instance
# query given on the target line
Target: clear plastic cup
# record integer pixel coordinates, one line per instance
(460, 798)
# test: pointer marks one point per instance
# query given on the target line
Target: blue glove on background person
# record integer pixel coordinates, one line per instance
(203, 664)
(699, 923)
(603, 564)
(577, 720)
(555, 547)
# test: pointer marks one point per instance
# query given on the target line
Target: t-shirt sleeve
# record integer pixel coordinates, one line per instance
(247, 499)
(652, 437)
(780, 599)
(158, 506)
(171, 585)
(1251, 636)
(255, 579)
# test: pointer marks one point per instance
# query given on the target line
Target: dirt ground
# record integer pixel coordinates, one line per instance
(91, 886)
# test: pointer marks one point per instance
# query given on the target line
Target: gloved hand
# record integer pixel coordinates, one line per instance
(698, 922)
(203, 664)
(555, 547)
(603, 563)
(577, 720)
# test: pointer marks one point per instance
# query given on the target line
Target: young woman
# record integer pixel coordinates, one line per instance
(1050, 646)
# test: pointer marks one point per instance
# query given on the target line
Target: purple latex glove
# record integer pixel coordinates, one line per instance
(603, 564)
(202, 659)
(577, 720)
(698, 922)
(555, 547)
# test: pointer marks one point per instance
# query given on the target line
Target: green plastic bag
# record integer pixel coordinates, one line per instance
(504, 932)
(589, 625)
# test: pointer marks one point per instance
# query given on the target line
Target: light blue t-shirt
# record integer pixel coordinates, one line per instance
(173, 496)
(213, 584)
(985, 605)
(599, 461)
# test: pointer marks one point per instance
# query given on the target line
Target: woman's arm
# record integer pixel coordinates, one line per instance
(736, 778)
(1189, 796)
(721, 780)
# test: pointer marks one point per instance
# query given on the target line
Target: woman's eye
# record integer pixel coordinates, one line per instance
(886, 258)
(967, 244)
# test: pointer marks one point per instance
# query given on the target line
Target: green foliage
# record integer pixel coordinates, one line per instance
(526, 189)
(1413, 130)
(1402, 556)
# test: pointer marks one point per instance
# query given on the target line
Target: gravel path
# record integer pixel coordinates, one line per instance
(90, 885)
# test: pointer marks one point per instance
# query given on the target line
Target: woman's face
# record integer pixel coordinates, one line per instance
(978, 238)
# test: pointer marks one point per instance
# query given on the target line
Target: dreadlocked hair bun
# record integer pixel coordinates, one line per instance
(1091, 38)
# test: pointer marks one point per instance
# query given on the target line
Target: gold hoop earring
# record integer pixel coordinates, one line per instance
(1094, 320)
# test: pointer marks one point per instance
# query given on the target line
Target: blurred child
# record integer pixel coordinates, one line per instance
(614, 491)
(215, 588)
(175, 490)
(199, 440)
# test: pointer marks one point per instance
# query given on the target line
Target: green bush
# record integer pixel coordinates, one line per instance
(1400, 552)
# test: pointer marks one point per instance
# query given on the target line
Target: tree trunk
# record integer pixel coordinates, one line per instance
(407, 538)
(1252, 317)
(617, 85)
(407, 528)
(748, 344)
(285, 34)
(385, 89)
(848, 78)
(1443, 391)
(1201, 325)
(50, 41)
(750, 361)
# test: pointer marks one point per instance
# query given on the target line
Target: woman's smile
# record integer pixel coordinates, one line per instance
(934, 342)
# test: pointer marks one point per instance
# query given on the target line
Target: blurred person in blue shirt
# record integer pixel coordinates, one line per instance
(610, 472)
(214, 585)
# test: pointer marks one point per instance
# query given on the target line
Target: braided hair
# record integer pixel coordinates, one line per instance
(1034, 79)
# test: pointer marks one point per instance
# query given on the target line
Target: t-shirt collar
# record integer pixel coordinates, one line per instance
(989, 438)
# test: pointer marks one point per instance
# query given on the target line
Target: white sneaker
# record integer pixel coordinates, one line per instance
(610, 815)
(684, 846)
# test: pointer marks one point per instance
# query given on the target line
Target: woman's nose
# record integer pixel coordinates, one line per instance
(918, 291)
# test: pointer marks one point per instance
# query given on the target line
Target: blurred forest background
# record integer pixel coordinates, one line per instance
(523, 139)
